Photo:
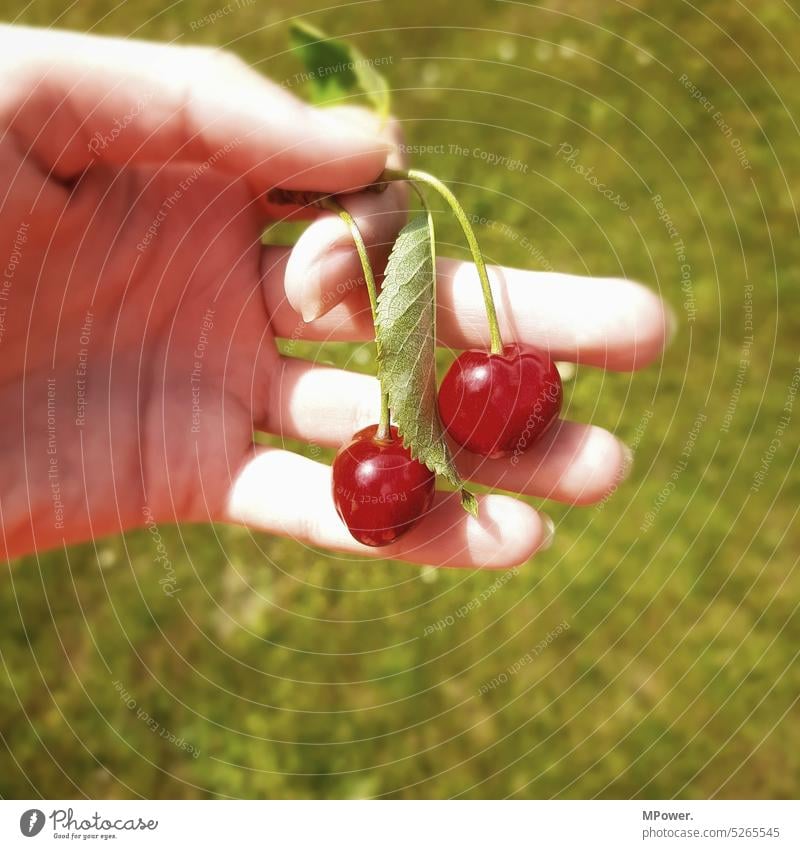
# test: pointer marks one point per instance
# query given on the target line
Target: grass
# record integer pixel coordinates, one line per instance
(293, 673)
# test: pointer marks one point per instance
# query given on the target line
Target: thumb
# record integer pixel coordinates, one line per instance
(77, 99)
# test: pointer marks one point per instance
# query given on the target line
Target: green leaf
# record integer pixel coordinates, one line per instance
(335, 69)
(373, 84)
(469, 502)
(406, 332)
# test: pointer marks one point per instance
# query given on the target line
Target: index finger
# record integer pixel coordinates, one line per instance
(73, 99)
(602, 321)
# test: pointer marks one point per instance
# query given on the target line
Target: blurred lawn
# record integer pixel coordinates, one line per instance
(294, 673)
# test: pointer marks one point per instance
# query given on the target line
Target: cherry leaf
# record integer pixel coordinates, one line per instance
(335, 69)
(405, 327)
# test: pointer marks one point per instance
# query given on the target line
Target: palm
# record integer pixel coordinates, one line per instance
(151, 334)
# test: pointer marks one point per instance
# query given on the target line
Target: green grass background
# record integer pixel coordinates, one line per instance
(294, 673)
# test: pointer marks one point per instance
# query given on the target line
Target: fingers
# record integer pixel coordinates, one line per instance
(601, 321)
(325, 255)
(75, 99)
(283, 493)
(321, 405)
(572, 463)
(324, 265)
(605, 321)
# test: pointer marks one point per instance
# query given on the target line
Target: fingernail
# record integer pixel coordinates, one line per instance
(364, 120)
(566, 371)
(312, 306)
(346, 129)
(321, 270)
(627, 462)
(549, 532)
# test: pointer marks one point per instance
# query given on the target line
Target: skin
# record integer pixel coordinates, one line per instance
(133, 447)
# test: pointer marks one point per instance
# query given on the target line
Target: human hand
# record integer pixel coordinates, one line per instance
(141, 311)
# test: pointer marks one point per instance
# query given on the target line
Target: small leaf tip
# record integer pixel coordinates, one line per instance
(469, 503)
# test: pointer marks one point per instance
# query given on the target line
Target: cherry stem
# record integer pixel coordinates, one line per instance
(415, 176)
(384, 426)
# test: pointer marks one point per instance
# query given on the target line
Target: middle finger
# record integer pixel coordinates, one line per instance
(572, 463)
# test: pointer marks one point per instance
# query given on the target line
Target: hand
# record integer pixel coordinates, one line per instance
(138, 310)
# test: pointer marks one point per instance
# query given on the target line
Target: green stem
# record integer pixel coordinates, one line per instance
(384, 425)
(428, 179)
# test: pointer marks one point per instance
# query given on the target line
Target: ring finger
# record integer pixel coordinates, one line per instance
(573, 463)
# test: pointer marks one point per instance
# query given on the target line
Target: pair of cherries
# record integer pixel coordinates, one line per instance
(495, 405)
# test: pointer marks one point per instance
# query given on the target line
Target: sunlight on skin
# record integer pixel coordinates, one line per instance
(154, 279)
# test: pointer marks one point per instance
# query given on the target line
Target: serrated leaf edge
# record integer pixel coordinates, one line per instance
(447, 469)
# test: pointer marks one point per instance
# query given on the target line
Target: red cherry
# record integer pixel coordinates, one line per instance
(498, 405)
(379, 489)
